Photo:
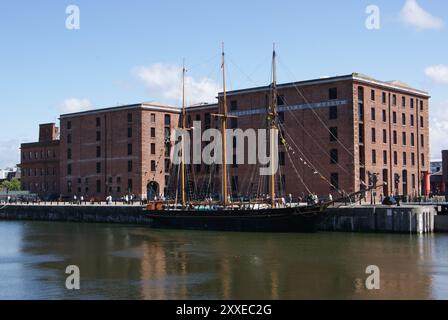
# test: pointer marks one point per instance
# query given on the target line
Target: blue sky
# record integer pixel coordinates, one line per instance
(131, 51)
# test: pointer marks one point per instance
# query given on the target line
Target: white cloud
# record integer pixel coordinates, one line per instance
(164, 82)
(438, 74)
(438, 130)
(414, 15)
(71, 105)
(9, 151)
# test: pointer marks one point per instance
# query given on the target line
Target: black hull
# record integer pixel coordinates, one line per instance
(303, 219)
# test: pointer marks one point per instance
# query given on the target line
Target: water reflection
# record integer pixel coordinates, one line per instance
(126, 262)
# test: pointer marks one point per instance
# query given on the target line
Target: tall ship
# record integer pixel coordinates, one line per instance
(257, 213)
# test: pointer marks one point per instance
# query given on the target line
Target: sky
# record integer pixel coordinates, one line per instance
(124, 52)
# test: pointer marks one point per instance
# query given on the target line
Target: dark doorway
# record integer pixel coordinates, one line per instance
(152, 190)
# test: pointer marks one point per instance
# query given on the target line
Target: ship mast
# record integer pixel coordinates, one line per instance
(184, 125)
(273, 125)
(224, 117)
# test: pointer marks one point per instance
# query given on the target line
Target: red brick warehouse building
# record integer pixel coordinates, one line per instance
(347, 126)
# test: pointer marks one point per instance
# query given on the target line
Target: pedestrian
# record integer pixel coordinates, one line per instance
(74, 199)
(330, 198)
(81, 199)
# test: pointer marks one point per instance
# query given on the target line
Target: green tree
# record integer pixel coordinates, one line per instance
(13, 185)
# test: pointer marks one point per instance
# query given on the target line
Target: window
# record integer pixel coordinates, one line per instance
(98, 167)
(403, 119)
(423, 159)
(98, 122)
(404, 138)
(384, 136)
(385, 157)
(98, 136)
(412, 103)
(384, 98)
(413, 181)
(153, 148)
(334, 179)
(422, 141)
(118, 180)
(69, 154)
(413, 159)
(384, 116)
(395, 158)
(421, 105)
(167, 120)
(98, 151)
(372, 95)
(281, 158)
(372, 114)
(69, 138)
(405, 160)
(234, 105)
(412, 120)
(130, 166)
(394, 117)
(333, 112)
(69, 186)
(421, 122)
(69, 169)
(98, 186)
(153, 118)
(412, 139)
(373, 156)
(207, 120)
(129, 185)
(394, 100)
(373, 135)
(153, 132)
(333, 93)
(69, 125)
(333, 134)
(233, 123)
(129, 149)
(403, 102)
(130, 132)
(333, 156)
(395, 137)
(129, 117)
(153, 165)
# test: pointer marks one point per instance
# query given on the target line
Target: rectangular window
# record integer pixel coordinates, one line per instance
(280, 100)
(372, 95)
(373, 135)
(334, 156)
(69, 169)
(98, 151)
(167, 120)
(403, 102)
(413, 159)
(412, 102)
(374, 156)
(130, 132)
(412, 140)
(334, 179)
(421, 105)
(421, 122)
(412, 120)
(394, 117)
(153, 165)
(384, 98)
(372, 114)
(333, 134)
(153, 132)
(98, 136)
(129, 149)
(98, 167)
(69, 186)
(281, 158)
(333, 93)
(385, 157)
(422, 141)
(403, 119)
(98, 122)
(395, 158)
(384, 116)
(333, 112)
(234, 105)
(384, 136)
(129, 117)
(69, 138)
(98, 186)
(129, 185)
(423, 159)
(395, 137)
(153, 148)
(69, 154)
(153, 118)
(130, 166)
(405, 160)
(394, 100)
(413, 181)
(69, 125)
(404, 138)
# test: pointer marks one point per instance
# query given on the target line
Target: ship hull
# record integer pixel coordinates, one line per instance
(299, 219)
